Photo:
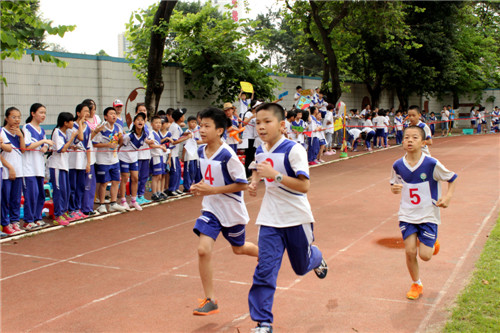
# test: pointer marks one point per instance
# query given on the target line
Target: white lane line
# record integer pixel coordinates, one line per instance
(454, 273)
(398, 301)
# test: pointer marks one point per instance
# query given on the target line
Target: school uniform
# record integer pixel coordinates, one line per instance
(128, 153)
(58, 164)
(428, 136)
(380, 124)
(370, 134)
(175, 168)
(248, 137)
(107, 163)
(285, 222)
(224, 212)
(418, 212)
(244, 105)
(354, 134)
(34, 174)
(167, 153)
(432, 125)
(144, 155)
(157, 163)
(329, 128)
(77, 168)
(231, 141)
(90, 179)
(11, 189)
(398, 124)
(191, 161)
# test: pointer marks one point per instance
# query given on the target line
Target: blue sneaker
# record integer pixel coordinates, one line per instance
(145, 201)
(140, 200)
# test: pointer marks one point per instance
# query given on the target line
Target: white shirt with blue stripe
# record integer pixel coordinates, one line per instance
(421, 188)
(33, 160)
(224, 168)
(428, 136)
(15, 157)
(281, 206)
(131, 144)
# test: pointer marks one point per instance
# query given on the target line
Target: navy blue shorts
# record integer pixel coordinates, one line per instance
(426, 232)
(127, 167)
(157, 166)
(106, 173)
(208, 224)
(322, 142)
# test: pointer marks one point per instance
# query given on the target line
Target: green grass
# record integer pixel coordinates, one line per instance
(478, 307)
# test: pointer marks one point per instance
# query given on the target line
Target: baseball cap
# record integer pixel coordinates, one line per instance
(227, 106)
(177, 114)
(117, 102)
(256, 104)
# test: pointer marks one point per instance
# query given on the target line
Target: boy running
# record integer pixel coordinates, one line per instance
(285, 217)
(223, 208)
(416, 176)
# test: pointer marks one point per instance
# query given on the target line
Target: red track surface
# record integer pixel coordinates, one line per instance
(138, 271)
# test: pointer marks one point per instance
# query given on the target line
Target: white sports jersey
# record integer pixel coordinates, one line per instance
(244, 105)
(428, 136)
(131, 144)
(300, 126)
(355, 132)
(144, 152)
(398, 122)
(33, 160)
(107, 156)
(176, 132)
(6, 141)
(421, 188)
(250, 131)
(78, 155)
(195, 140)
(328, 118)
(281, 206)
(59, 160)
(15, 157)
(224, 168)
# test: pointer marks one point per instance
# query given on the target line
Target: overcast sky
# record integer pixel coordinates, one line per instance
(99, 22)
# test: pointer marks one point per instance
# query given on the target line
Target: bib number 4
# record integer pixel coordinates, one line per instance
(208, 175)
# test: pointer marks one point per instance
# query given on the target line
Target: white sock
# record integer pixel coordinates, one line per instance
(418, 282)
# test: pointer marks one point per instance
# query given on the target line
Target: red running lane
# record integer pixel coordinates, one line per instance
(138, 271)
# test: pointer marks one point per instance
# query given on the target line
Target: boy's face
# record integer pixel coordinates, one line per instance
(244, 96)
(298, 116)
(110, 117)
(143, 109)
(192, 124)
(229, 112)
(208, 132)
(156, 124)
(412, 140)
(268, 126)
(413, 117)
(119, 109)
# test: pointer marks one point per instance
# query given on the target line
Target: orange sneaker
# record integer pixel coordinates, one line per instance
(415, 291)
(206, 307)
(436, 247)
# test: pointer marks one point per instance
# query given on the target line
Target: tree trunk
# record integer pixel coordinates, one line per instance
(456, 101)
(403, 98)
(155, 83)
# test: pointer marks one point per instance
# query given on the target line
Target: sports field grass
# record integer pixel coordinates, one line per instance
(478, 307)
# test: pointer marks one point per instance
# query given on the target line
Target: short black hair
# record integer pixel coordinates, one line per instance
(154, 118)
(291, 114)
(414, 107)
(217, 115)
(275, 108)
(418, 128)
(298, 87)
(106, 110)
(191, 118)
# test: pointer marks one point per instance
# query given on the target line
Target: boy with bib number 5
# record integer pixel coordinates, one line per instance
(417, 177)
(285, 218)
(223, 208)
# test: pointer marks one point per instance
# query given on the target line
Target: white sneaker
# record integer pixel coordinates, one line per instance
(136, 205)
(124, 204)
(102, 209)
(114, 207)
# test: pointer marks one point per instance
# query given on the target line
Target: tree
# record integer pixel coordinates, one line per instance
(318, 19)
(102, 53)
(22, 29)
(210, 48)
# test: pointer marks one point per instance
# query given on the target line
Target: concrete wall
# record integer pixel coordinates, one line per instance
(107, 78)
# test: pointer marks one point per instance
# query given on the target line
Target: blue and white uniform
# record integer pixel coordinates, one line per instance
(432, 125)
(157, 164)
(34, 174)
(128, 153)
(224, 212)
(144, 155)
(398, 124)
(428, 136)
(107, 163)
(421, 190)
(77, 167)
(175, 168)
(59, 172)
(11, 189)
(285, 221)
(192, 160)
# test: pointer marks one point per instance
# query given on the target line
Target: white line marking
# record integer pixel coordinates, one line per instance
(458, 266)
(398, 301)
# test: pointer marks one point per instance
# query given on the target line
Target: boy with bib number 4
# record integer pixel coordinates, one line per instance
(417, 177)
(285, 218)
(223, 208)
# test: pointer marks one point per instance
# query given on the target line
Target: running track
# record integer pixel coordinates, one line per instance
(138, 271)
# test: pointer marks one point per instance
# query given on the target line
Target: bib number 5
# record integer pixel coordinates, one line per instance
(272, 164)
(414, 197)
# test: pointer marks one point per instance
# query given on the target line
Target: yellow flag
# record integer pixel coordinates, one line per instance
(246, 86)
(337, 125)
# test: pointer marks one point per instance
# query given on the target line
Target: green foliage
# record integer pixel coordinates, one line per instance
(210, 48)
(22, 29)
(102, 53)
(478, 307)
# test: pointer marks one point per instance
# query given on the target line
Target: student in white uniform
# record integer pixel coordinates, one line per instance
(158, 159)
(107, 163)
(144, 155)
(12, 175)
(417, 177)
(191, 158)
(7, 147)
(285, 219)
(58, 164)
(414, 119)
(244, 104)
(223, 206)
(175, 168)
(34, 167)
